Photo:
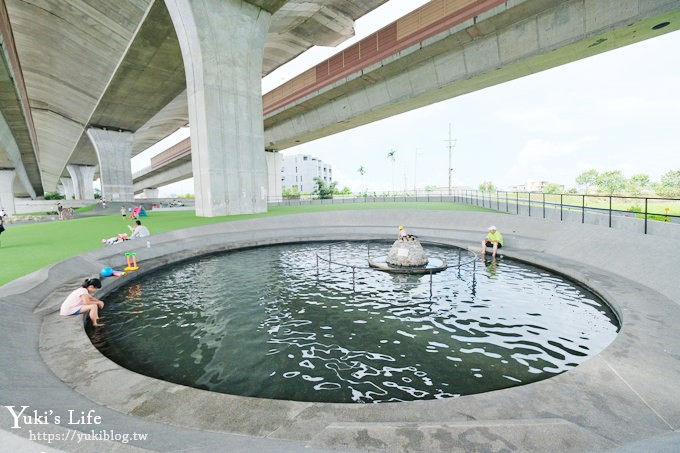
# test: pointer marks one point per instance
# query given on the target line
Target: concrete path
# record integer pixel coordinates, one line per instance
(625, 399)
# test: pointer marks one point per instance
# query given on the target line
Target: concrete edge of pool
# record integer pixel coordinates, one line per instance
(624, 395)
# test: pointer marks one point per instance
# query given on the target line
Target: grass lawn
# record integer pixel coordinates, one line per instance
(29, 247)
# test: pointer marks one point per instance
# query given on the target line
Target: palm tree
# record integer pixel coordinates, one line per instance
(361, 171)
(390, 156)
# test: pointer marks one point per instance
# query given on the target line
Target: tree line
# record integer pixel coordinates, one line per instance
(613, 182)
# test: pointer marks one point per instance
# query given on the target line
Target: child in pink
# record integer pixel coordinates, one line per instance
(82, 301)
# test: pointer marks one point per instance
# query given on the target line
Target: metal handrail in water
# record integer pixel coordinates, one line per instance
(353, 267)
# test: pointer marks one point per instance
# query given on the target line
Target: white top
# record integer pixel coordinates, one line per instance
(73, 302)
(140, 231)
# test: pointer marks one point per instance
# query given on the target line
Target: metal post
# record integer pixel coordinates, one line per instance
(610, 211)
(646, 215)
(529, 204)
(583, 209)
(353, 280)
(430, 283)
(517, 205)
(561, 207)
(544, 206)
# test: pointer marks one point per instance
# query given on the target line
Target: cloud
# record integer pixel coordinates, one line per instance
(545, 160)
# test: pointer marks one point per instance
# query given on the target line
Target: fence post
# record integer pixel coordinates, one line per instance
(517, 205)
(544, 205)
(529, 204)
(583, 209)
(646, 214)
(610, 211)
(560, 207)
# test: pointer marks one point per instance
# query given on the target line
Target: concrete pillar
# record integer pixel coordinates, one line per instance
(150, 193)
(82, 177)
(274, 162)
(114, 150)
(67, 184)
(222, 44)
(7, 190)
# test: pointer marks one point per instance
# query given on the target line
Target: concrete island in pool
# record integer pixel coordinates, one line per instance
(627, 398)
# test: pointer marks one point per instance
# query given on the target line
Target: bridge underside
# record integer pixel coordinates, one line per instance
(502, 44)
(72, 66)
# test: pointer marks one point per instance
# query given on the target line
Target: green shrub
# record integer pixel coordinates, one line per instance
(54, 196)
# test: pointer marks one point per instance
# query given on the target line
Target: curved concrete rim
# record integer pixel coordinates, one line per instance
(624, 394)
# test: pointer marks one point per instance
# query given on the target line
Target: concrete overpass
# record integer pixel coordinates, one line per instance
(441, 50)
(86, 85)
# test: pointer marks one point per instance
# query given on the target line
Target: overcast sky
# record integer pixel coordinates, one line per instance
(614, 111)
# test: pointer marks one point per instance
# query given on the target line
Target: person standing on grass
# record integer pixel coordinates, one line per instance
(81, 301)
(2, 224)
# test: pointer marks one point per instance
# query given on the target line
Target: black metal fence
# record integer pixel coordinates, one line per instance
(644, 208)
(606, 210)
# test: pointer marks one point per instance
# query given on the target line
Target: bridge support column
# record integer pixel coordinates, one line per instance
(150, 193)
(67, 184)
(114, 150)
(82, 177)
(222, 44)
(7, 190)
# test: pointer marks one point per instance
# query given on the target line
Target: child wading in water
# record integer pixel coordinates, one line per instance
(81, 301)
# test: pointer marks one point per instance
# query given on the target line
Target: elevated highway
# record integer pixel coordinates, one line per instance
(442, 50)
(70, 70)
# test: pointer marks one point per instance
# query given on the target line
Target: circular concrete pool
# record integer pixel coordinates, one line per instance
(272, 322)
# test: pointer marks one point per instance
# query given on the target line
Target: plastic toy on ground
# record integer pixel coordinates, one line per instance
(131, 266)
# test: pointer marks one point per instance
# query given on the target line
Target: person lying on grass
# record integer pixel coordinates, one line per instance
(115, 239)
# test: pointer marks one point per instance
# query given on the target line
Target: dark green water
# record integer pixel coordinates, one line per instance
(261, 322)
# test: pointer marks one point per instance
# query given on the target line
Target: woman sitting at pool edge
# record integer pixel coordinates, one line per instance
(81, 301)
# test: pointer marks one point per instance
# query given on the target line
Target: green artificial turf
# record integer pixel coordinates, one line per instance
(25, 248)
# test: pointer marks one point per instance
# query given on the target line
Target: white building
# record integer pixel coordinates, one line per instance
(300, 170)
(532, 186)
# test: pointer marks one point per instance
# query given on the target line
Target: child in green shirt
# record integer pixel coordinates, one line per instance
(493, 239)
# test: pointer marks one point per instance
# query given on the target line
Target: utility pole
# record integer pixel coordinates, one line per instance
(415, 171)
(451, 144)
